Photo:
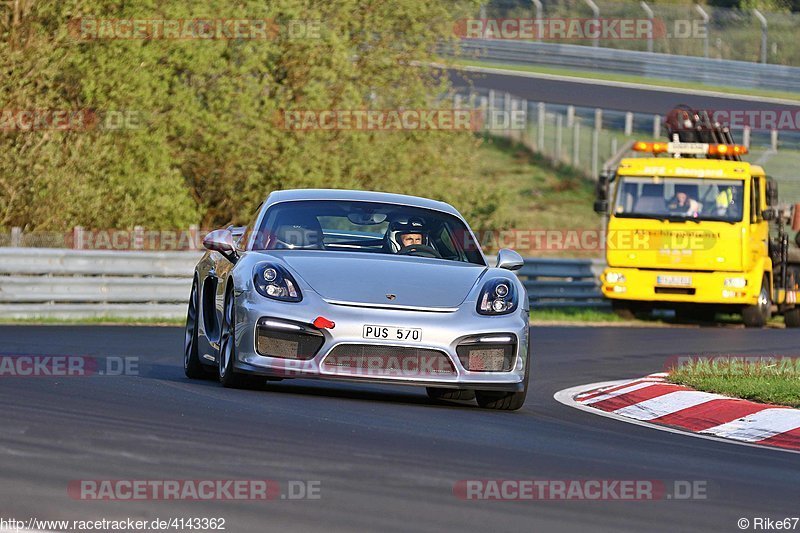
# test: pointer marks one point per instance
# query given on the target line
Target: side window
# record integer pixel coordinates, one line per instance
(755, 200)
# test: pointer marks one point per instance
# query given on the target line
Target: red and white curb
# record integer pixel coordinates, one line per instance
(652, 402)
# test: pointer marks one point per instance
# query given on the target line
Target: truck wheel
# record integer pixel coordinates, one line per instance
(757, 316)
(792, 318)
(622, 309)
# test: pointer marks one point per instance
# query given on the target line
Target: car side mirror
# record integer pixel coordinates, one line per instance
(509, 259)
(221, 241)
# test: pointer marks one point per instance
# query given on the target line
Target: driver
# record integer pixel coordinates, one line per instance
(401, 234)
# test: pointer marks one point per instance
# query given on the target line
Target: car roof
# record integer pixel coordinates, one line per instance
(364, 196)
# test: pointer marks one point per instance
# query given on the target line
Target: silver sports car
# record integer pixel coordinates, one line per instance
(360, 286)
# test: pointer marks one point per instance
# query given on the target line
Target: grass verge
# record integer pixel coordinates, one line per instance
(656, 82)
(96, 321)
(573, 314)
(775, 382)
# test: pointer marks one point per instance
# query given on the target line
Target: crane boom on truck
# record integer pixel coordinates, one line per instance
(703, 230)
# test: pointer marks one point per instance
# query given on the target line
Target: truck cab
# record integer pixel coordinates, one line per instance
(690, 234)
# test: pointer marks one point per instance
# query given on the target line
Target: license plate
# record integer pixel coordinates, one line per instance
(680, 281)
(391, 333)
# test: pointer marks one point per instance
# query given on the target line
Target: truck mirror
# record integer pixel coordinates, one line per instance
(769, 214)
(601, 207)
(772, 192)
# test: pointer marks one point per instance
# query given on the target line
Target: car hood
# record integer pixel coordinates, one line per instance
(360, 278)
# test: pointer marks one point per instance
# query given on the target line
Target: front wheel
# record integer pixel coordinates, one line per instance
(504, 401)
(227, 347)
(757, 316)
(192, 366)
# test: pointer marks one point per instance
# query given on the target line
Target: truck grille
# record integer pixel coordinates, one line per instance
(387, 361)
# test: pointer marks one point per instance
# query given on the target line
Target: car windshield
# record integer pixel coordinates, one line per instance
(369, 227)
(679, 198)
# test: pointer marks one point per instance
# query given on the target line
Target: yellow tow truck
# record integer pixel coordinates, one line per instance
(688, 229)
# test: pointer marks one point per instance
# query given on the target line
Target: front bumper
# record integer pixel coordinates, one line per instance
(702, 287)
(442, 333)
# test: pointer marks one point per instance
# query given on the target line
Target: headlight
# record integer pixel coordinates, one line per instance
(498, 297)
(615, 277)
(274, 281)
(736, 283)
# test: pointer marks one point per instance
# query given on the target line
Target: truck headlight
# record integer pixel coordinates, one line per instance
(274, 281)
(615, 277)
(497, 297)
(735, 283)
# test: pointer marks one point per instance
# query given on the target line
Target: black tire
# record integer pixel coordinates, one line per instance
(623, 309)
(506, 401)
(757, 316)
(435, 393)
(503, 401)
(192, 366)
(791, 318)
(227, 374)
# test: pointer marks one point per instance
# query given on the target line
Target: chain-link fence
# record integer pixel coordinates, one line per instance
(688, 29)
(586, 137)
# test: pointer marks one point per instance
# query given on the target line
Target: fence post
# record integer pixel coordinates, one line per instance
(595, 154)
(541, 117)
(656, 126)
(613, 145)
(77, 238)
(576, 144)
(559, 126)
(194, 237)
(16, 237)
(628, 124)
(570, 116)
(523, 132)
(650, 15)
(746, 137)
(773, 138)
(598, 119)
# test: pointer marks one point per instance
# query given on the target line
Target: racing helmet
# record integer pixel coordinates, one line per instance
(399, 228)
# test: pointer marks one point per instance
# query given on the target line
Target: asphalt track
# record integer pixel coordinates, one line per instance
(386, 457)
(590, 93)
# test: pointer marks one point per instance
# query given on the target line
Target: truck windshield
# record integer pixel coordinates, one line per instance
(679, 198)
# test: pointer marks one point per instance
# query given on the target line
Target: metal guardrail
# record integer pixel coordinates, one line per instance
(719, 72)
(64, 284)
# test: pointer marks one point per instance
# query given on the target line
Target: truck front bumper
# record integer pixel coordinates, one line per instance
(735, 288)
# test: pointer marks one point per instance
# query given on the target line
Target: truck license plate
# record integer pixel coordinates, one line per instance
(680, 281)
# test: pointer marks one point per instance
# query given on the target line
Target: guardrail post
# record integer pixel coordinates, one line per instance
(763, 22)
(16, 237)
(523, 134)
(706, 18)
(540, 118)
(628, 124)
(773, 138)
(596, 12)
(559, 126)
(598, 119)
(656, 126)
(595, 152)
(746, 137)
(576, 144)
(538, 5)
(651, 16)
(77, 238)
(508, 100)
(570, 116)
